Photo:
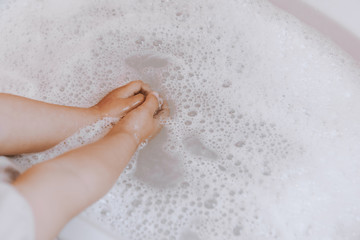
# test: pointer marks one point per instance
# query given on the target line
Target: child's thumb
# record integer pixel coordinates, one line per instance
(152, 103)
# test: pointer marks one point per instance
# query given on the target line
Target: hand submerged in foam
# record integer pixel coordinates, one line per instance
(143, 108)
(145, 121)
(122, 100)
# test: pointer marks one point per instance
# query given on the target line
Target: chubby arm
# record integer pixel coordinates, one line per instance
(31, 126)
(59, 189)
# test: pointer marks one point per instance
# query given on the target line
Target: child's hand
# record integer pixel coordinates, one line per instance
(144, 122)
(121, 100)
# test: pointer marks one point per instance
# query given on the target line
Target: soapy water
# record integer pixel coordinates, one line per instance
(263, 138)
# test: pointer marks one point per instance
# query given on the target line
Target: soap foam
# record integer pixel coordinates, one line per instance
(263, 138)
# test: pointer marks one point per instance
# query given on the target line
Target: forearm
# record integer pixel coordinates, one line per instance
(61, 188)
(29, 126)
(98, 165)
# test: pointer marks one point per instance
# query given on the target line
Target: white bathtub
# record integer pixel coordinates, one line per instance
(337, 19)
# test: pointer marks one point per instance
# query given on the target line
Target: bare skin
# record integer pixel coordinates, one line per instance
(59, 189)
(32, 126)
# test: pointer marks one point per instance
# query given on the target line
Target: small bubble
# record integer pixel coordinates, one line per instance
(105, 212)
(239, 144)
(237, 230)
(210, 203)
(129, 166)
(185, 185)
(226, 84)
(136, 203)
(140, 40)
(157, 43)
(188, 123)
(222, 168)
(184, 196)
(192, 113)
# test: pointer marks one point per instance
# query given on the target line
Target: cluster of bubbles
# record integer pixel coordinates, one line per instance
(262, 139)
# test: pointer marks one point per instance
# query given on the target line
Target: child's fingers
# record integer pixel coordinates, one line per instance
(133, 102)
(151, 104)
(130, 89)
(164, 112)
(145, 89)
(161, 115)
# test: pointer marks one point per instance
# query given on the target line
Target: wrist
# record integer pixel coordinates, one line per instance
(96, 112)
(130, 138)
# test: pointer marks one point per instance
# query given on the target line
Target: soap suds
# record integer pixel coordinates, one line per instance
(263, 138)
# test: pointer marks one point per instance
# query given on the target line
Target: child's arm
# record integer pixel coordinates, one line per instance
(59, 189)
(30, 126)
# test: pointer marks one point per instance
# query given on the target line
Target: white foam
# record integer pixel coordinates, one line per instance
(263, 139)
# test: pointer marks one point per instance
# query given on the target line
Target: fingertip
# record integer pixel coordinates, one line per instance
(160, 100)
(163, 114)
(139, 98)
(131, 88)
(135, 86)
(145, 89)
(137, 83)
(154, 96)
(151, 103)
